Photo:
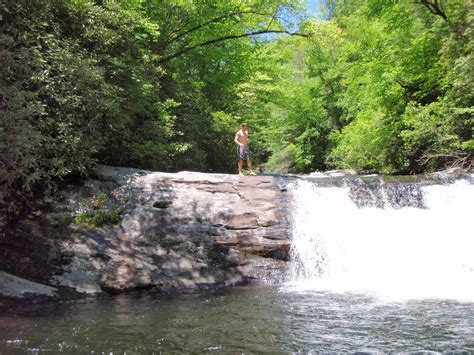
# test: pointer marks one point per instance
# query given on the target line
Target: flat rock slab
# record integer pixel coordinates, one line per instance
(178, 231)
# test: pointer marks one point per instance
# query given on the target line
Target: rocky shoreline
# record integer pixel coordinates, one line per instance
(176, 232)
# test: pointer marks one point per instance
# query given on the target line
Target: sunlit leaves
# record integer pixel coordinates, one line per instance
(393, 64)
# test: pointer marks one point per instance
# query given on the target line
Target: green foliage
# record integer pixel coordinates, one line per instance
(56, 105)
(399, 90)
(430, 134)
(379, 85)
(100, 212)
(383, 86)
(100, 200)
(125, 83)
(65, 220)
(280, 103)
(221, 150)
(98, 219)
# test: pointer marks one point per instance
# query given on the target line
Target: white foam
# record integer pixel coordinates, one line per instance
(401, 253)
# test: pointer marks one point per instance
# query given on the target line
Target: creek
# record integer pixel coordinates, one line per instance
(377, 264)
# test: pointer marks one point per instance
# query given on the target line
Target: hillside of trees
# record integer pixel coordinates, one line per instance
(374, 85)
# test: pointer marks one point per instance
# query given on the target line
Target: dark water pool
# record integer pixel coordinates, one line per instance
(250, 320)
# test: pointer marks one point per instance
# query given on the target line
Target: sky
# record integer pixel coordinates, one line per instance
(312, 5)
(293, 23)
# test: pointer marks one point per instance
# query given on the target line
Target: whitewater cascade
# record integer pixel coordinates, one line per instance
(400, 240)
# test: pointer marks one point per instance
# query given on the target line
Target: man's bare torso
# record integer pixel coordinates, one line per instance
(242, 137)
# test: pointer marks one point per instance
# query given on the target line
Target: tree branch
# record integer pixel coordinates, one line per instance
(273, 18)
(226, 38)
(433, 7)
(217, 19)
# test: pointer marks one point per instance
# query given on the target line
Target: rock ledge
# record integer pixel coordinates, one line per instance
(178, 232)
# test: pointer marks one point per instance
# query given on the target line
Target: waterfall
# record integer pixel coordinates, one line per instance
(395, 239)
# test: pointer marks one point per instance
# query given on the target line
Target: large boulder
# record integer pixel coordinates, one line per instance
(176, 232)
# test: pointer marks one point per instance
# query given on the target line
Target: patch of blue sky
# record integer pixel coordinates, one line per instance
(312, 6)
(291, 19)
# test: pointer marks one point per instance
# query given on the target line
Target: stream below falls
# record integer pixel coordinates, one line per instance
(247, 319)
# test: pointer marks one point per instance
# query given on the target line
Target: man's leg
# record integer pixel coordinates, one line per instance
(249, 161)
(240, 165)
(249, 164)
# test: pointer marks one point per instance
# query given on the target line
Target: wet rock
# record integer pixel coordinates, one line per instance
(378, 193)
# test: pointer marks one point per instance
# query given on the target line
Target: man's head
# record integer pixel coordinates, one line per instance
(244, 126)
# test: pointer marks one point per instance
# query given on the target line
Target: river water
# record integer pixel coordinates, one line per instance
(248, 319)
(375, 267)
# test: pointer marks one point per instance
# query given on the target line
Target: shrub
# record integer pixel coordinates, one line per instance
(98, 219)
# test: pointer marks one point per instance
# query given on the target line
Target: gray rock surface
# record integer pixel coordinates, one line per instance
(13, 286)
(178, 232)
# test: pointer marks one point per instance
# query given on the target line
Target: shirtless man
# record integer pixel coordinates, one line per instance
(241, 139)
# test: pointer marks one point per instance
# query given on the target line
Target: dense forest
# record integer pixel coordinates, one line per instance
(375, 85)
